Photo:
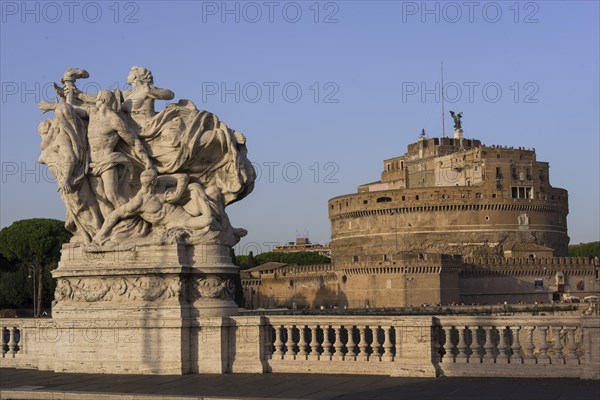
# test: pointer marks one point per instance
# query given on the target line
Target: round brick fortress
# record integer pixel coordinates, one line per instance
(452, 196)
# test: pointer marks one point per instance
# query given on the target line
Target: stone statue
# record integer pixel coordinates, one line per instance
(139, 101)
(125, 171)
(457, 122)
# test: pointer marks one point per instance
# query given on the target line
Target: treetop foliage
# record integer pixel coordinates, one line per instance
(36, 240)
(591, 249)
(296, 258)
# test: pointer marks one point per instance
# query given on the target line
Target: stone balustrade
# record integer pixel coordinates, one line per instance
(509, 346)
(374, 345)
(417, 346)
(10, 338)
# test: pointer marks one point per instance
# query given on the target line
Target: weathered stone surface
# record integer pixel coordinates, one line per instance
(126, 172)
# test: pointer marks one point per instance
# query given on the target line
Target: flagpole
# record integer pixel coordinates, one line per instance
(443, 124)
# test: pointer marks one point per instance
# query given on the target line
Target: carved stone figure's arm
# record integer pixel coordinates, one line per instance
(180, 181)
(160, 94)
(46, 106)
(127, 210)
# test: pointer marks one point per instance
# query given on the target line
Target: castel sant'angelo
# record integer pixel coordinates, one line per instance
(450, 221)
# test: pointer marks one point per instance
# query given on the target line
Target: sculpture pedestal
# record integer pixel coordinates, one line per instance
(144, 309)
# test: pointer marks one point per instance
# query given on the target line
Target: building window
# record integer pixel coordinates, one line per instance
(522, 192)
(417, 197)
(365, 201)
(498, 172)
(478, 195)
(538, 284)
(384, 199)
(354, 258)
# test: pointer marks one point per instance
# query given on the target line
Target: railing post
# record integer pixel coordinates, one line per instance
(12, 344)
(476, 346)
(314, 344)
(375, 345)
(302, 342)
(350, 345)
(557, 356)
(461, 346)
(362, 345)
(503, 349)
(387, 345)
(591, 345)
(436, 334)
(529, 358)
(543, 357)
(488, 357)
(326, 344)
(278, 354)
(516, 357)
(571, 356)
(268, 344)
(414, 347)
(3, 344)
(290, 352)
(338, 345)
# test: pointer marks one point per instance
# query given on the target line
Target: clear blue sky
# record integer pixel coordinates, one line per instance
(361, 67)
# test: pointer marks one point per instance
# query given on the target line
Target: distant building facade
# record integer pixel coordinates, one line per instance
(303, 244)
(450, 221)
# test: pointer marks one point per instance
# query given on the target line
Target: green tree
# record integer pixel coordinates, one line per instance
(34, 245)
(591, 249)
(296, 258)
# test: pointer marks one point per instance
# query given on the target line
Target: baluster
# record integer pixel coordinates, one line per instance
(516, 357)
(338, 345)
(268, 343)
(503, 348)
(476, 346)
(3, 343)
(314, 343)
(543, 357)
(437, 340)
(278, 343)
(387, 345)
(557, 356)
(326, 355)
(302, 342)
(350, 345)
(488, 356)
(12, 344)
(528, 356)
(571, 346)
(461, 357)
(362, 345)
(375, 345)
(290, 352)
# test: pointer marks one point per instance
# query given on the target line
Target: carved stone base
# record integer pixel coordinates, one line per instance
(143, 308)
